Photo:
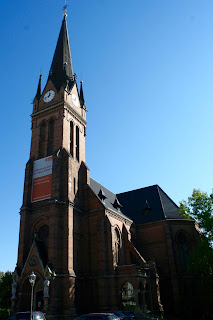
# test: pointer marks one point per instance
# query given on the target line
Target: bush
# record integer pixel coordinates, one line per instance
(4, 314)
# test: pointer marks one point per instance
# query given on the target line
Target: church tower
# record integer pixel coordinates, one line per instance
(54, 189)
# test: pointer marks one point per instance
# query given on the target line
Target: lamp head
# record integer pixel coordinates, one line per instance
(32, 279)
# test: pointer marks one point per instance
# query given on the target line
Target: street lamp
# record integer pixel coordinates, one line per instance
(32, 279)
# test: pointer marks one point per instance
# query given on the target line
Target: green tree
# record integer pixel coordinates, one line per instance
(5, 293)
(199, 207)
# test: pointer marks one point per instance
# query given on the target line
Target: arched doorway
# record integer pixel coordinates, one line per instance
(26, 291)
(25, 297)
(39, 294)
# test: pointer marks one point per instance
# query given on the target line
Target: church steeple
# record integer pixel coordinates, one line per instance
(61, 71)
(38, 93)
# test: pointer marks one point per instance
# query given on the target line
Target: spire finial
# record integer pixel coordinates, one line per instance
(65, 9)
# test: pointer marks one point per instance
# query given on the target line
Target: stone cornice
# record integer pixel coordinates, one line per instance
(104, 276)
(119, 216)
(47, 110)
(47, 202)
(54, 107)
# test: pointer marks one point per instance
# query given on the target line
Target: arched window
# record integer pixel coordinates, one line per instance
(71, 138)
(117, 243)
(182, 240)
(77, 143)
(127, 293)
(42, 242)
(43, 233)
(42, 139)
(50, 137)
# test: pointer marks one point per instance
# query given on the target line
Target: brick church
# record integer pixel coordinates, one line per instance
(91, 249)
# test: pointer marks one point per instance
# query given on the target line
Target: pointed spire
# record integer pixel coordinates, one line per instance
(38, 94)
(61, 71)
(82, 102)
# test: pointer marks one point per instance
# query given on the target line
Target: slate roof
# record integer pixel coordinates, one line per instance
(108, 198)
(61, 71)
(143, 205)
(148, 205)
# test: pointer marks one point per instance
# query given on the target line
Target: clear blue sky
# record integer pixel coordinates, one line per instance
(147, 67)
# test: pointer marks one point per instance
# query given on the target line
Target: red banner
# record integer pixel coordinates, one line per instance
(42, 179)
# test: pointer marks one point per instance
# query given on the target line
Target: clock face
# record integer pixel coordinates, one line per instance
(49, 96)
(75, 100)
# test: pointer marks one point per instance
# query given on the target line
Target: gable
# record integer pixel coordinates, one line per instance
(33, 260)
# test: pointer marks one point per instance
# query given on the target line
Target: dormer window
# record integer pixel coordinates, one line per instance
(117, 204)
(147, 208)
(102, 195)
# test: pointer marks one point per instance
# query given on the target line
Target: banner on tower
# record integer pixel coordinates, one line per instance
(42, 179)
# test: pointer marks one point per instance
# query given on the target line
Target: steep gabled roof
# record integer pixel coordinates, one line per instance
(143, 205)
(61, 71)
(109, 199)
(136, 202)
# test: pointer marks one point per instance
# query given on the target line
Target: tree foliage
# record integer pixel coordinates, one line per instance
(5, 289)
(199, 207)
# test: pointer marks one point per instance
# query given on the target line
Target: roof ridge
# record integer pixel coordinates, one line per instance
(168, 196)
(103, 186)
(161, 201)
(154, 185)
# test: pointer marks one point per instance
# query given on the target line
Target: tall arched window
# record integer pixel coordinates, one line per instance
(71, 138)
(183, 244)
(117, 243)
(50, 137)
(42, 139)
(77, 143)
(42, 242)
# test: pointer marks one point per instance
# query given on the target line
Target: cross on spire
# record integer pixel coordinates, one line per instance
(65, 9)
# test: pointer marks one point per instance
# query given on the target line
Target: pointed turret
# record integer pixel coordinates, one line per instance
(61, 71)
(38, 94)
(82, 101)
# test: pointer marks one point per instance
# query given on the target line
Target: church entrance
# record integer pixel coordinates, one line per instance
(39, 294)
(39, 301)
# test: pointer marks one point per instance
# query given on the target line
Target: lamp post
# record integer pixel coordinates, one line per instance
(32, 279)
